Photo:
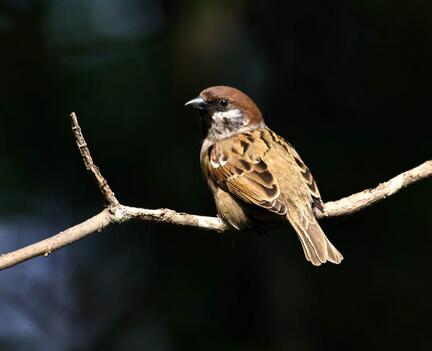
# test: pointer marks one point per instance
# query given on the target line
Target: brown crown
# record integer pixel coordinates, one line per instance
(237, 99)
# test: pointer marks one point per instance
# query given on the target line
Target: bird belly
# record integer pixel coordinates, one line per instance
(242, 216)
(231, 210)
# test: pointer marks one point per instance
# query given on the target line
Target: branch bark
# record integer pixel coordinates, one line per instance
(116, 213)
(368, 197)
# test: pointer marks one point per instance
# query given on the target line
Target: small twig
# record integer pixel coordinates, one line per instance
(117, 213)
(90, 166)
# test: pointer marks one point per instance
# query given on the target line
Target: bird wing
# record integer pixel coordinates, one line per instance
(300, 177)
(237, 165)
(241, 166)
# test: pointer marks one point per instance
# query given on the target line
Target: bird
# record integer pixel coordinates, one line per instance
(256, 177)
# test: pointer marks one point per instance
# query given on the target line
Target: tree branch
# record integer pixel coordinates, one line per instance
(365, 198)
(116, 213)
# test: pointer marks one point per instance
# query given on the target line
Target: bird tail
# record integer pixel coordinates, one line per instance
(316, 246)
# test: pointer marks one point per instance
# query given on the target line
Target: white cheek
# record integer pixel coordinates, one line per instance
(221, 115)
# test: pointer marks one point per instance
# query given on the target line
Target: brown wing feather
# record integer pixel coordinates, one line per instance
(238, 167)
(312, 188)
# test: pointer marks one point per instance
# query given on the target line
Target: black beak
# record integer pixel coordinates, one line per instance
(197, 103)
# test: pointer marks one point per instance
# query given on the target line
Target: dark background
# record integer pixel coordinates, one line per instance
(347, 82)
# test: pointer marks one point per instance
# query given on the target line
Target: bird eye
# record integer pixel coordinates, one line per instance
(223, 103)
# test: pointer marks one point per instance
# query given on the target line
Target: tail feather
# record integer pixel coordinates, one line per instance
(316, 246)
(309, 251)
(334, 255)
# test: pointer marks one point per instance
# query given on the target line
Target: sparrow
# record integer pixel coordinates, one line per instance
(256, 177)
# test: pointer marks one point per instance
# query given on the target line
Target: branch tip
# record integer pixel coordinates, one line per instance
(84, 150)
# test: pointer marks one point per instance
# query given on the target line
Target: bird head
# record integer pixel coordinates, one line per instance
(225, 111)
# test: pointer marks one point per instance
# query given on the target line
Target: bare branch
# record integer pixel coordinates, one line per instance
(167, 216)
(117, 213)
(365, 198)
(45, 247)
